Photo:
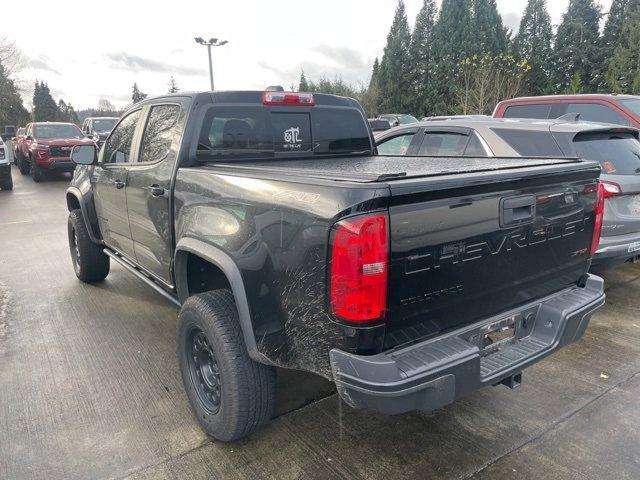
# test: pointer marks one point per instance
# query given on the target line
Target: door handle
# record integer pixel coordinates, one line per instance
(119, 184)
(156, 190)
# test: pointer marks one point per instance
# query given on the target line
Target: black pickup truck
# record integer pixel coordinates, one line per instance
(287, 242)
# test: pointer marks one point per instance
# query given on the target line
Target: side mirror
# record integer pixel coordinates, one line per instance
(84, 155)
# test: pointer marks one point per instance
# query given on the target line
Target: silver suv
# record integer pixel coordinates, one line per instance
(616, 148)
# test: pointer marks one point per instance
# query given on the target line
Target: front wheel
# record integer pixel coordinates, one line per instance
(90, 263)
(24, 166)
(231, 395)
(37, 172)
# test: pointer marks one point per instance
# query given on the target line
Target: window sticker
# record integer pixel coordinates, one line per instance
(608, 166)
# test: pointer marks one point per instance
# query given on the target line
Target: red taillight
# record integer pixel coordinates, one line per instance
(359, 264)
(610, 189)
(288, 99)
(599, 213)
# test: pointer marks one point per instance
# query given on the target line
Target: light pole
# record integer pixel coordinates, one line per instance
(212, 42)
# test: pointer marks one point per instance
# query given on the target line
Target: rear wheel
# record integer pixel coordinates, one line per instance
(90, 263)
(231, 395)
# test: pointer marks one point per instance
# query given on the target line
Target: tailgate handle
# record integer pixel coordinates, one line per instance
(517, 210)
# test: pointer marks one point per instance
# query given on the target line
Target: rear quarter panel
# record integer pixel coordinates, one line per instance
(277, 233)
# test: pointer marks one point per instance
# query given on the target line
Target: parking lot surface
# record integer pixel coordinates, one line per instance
(90, 388)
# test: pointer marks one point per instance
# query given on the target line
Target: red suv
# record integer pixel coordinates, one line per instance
(47, 146)
(616, 109)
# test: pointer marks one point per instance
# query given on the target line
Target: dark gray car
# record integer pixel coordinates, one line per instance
(616, 148)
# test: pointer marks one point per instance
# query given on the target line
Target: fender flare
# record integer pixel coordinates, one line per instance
(74, 191)
(228, 266)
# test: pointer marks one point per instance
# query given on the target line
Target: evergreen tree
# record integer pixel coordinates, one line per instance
(393, 73)
(303, 85)
(612, 35)
(421, 59)
(452, 42)
(489, 34)
(577, 49)
(533, 44)
(12, 111)
(137, 95)
(45, 108)
(371, 95)
(173, 86)
(623, 74)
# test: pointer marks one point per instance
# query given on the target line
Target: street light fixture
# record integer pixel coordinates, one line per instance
(212, 42)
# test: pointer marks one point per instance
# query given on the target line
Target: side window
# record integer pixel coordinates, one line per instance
(118, 146)
(396, 145)
(530, 143)
(475, 148)
(594, 112)
(443, 144)
(159, 133)
(540, 111)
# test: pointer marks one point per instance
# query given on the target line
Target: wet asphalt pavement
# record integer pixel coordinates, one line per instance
(90, 388)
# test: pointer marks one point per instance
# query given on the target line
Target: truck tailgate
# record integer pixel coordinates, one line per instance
(468, 247)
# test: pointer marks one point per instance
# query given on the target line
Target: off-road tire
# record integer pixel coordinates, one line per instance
(247, 389)
(37, 172)
(24, 165)
(90, 263)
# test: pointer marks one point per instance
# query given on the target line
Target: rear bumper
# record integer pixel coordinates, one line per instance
(434, 373)
(617, 249)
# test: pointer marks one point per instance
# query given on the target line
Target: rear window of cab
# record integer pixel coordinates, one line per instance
(248, 132)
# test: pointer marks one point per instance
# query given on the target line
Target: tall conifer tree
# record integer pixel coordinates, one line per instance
(452, 42)
(533, 43)
(393, 73)
(422, 66)
(577, 52)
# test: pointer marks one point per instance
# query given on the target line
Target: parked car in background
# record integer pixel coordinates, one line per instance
(378, 125)
(396, 119)
(46, 147)
(287, 242)
(15, 141)
(616, 149)
(98, 128)
(6, 180)
(601, 108)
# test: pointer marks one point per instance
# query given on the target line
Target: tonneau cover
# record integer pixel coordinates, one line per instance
(380, 168)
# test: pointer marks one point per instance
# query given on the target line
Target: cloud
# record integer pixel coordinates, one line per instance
(341, 62)
(40, 63)
(512, 21)
(343, 56)
(125, 61)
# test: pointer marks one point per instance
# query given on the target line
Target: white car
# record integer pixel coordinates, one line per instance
(6, 181)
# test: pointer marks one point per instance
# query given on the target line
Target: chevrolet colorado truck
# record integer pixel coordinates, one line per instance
(268, 218)
(46, 147)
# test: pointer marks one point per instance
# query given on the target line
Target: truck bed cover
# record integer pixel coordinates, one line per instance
(378, 168)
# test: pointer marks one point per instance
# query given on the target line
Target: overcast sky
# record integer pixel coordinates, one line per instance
(86, 51)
